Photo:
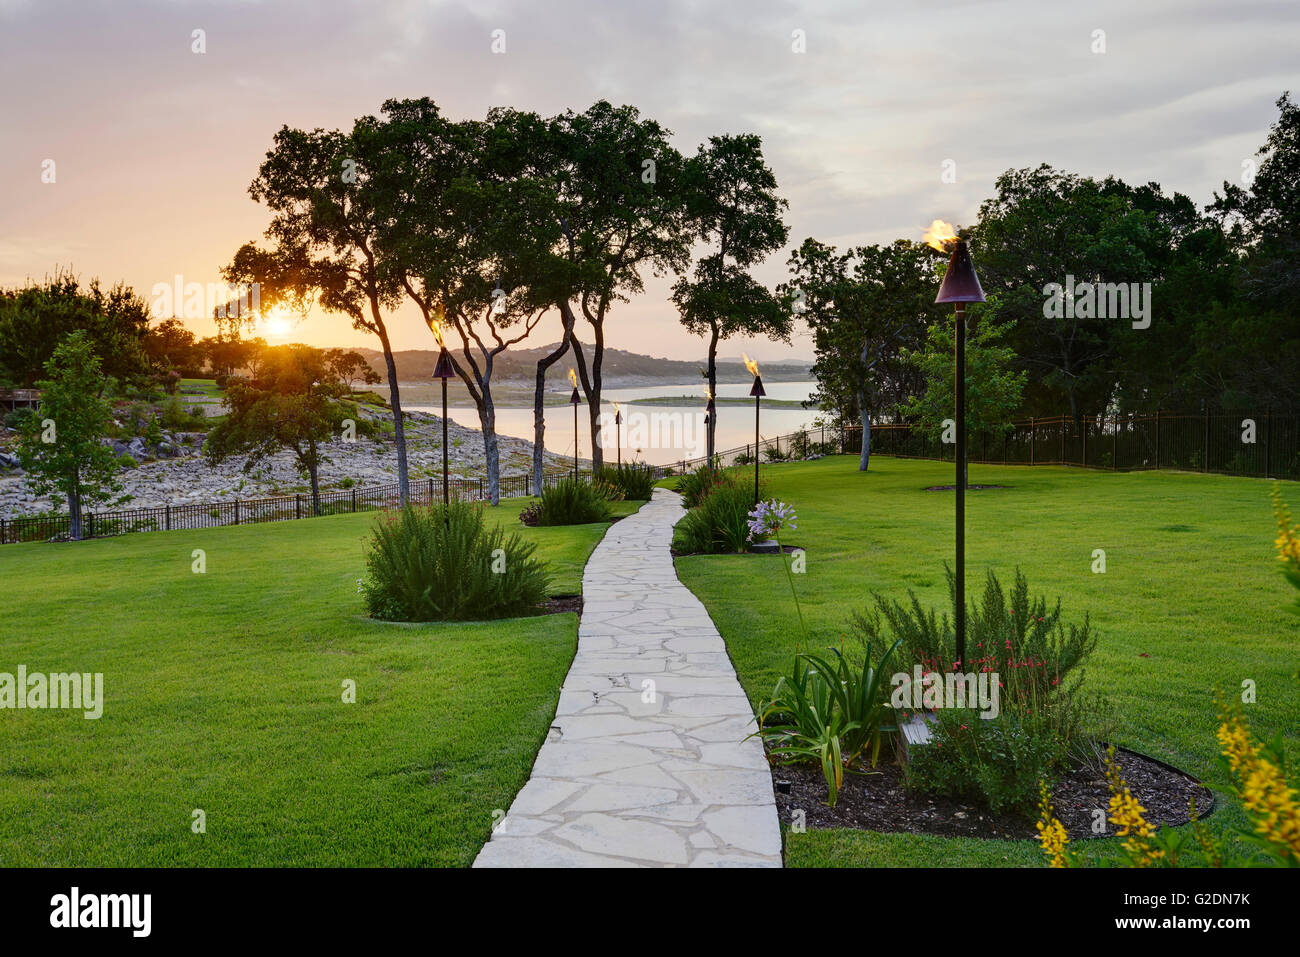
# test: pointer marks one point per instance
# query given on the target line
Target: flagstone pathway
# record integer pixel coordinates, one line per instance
(647, 761)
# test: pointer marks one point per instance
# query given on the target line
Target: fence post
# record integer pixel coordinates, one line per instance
(1114, 448)
(169, 517)
(480, 490)
(90, 524)
(1157, 438)
(1268, 442)
(1084, 439)
(354, 500)
(1033, 436)
(1206, 466)
(430, 491)
(1061, 443)
(3, 535)
(236, 511)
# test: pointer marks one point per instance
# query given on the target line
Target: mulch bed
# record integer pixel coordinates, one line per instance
(879, 801)
(969, 488)
(559, 604)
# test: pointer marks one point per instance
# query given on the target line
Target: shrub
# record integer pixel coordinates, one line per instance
(531, 514)
(438, 564)
(15, 418)
(1000, 760)
(828, 712)
(573, 502)
(695, 486)
(1045, 721)
(635, 481)
(773, 453)
(1019, 639)
(720, 522)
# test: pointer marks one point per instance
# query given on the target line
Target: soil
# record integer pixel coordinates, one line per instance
(878, 801)
(559, 604)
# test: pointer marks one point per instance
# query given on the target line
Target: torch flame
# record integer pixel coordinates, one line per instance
(940, 234)
(708, 394)
(573, 378)
(435, 323)
(750, 364)
(618, 409)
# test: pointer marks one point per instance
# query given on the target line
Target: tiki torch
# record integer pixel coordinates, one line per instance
(444, 371)
(710, 414)
(575, 400)
(618, 433)
(960, 286)
(757, 392)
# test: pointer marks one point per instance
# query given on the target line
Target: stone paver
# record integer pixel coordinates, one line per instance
(647, 762)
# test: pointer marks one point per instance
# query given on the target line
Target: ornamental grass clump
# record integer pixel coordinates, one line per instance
(830, 712)
(441, 563)
(575, 502)
(720, 522)
(635, 481)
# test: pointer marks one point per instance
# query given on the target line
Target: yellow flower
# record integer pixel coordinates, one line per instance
(1263, 789)
(1129, 818)
(1288, 539)
(1051, 832)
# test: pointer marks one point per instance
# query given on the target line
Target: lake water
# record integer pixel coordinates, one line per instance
(658, 434)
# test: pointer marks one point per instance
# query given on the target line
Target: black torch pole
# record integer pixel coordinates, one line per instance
(575, 441)
(757, 400)
(959, 611)
(446, 496)
(618, 437)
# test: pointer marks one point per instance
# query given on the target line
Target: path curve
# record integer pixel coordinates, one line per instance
(635, 774)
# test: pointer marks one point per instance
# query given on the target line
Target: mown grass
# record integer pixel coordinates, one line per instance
(224, 692)
(1190, 604)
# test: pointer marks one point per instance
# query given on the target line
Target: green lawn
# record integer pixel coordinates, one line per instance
(224, 693)
(1191, 601)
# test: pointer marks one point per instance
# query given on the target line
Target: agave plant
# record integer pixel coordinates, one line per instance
(829, 712)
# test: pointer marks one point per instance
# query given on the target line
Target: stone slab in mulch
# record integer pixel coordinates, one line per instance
(879, 802)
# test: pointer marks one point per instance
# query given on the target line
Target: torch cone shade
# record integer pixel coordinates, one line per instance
(443, 370)
(960, 284)
(575, 399)
(757, 390)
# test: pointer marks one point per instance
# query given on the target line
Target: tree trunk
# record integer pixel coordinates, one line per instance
(313, 473)
(74, 510)
(395, 400)
(593, 398)
(865, 456)
(488, 420)
(712, 430)
(539, 396)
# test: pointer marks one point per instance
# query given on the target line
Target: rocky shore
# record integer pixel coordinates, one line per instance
(173, 472)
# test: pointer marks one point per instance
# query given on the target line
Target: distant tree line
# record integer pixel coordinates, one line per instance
(1222, 322)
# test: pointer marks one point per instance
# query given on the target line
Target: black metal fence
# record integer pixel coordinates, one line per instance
(817, 440)
(1230, 444)
(1264, 445)
(39, 528)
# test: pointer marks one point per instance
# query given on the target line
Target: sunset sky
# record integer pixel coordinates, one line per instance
(155, 145)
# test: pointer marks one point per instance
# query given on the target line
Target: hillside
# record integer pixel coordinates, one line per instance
(621, 368)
